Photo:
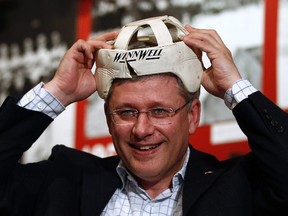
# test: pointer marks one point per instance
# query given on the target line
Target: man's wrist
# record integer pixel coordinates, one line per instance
(240, 90)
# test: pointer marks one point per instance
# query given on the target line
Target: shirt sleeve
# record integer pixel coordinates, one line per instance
(39, 99)
(240, 90)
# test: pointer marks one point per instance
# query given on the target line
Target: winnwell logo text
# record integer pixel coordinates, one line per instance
(138, 55)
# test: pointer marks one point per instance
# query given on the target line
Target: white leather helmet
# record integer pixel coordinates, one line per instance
(165, 53)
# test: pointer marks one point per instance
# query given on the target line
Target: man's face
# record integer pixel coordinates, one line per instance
(167, 143)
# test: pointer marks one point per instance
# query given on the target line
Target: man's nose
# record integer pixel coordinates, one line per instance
(143, 126)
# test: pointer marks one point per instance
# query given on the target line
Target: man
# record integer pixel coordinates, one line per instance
(150, 113)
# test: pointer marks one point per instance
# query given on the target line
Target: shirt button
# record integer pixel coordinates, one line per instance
(40, 106)
(30, 96)
(239, 97)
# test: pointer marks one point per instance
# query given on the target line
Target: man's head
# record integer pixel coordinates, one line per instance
(145, 47)
(150, 119)
(151, 109)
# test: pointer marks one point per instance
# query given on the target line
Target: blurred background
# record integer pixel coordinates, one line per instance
(34, 36)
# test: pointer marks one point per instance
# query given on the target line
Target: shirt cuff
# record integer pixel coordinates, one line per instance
(39, 99)
(240, 90)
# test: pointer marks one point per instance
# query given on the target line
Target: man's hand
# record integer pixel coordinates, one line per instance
(74, 80)
(222, 73)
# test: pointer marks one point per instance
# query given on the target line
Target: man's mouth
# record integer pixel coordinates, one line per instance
(145, 148)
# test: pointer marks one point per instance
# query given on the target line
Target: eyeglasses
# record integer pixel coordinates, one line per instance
(158, 115)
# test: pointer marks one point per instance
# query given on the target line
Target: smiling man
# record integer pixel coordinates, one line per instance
(149, 75)
(151, 131)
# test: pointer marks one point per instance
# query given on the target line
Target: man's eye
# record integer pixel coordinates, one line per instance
(160, 112)
(127, 113)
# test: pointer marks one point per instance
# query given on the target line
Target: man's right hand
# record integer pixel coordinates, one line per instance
(74, 80)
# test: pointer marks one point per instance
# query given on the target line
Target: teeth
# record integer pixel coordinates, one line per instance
(145, 148)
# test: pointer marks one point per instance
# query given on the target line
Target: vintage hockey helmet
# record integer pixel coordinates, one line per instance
(145, 47)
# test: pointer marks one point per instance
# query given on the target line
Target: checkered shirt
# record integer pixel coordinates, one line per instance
(132, 200)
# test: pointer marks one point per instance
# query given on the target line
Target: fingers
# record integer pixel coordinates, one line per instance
(101, 41)
(204, 34)
(206, 40)
(85, 48)
(84, 51)
(107, 36)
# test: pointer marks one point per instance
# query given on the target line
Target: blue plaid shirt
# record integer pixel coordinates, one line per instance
(132, 200)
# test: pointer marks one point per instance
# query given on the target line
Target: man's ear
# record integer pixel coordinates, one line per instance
(108, 116)
(194, 115)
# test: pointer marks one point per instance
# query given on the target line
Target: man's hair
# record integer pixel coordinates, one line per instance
(188, 96)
